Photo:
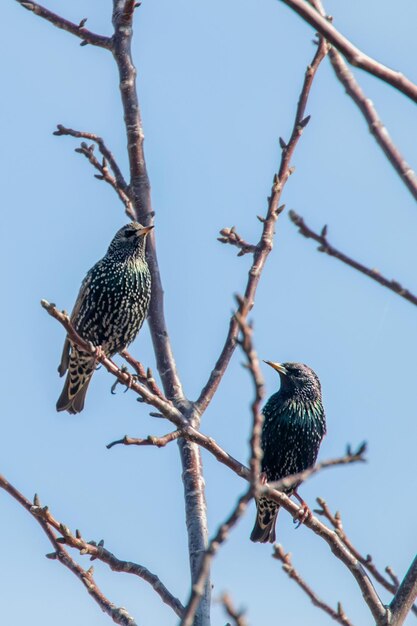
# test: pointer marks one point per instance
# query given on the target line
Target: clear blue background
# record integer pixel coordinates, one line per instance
(218, 84)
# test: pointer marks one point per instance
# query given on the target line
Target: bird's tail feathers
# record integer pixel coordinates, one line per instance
(264, 529)
(80, 370)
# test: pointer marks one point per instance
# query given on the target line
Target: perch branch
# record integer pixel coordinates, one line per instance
(264, 246)
(403, 600)
(78, 30)
(327, 248)
(353, 54)
(338, 616)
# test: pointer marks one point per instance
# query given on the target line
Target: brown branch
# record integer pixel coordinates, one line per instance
(264, 246)
(117, 181)
(391, 585)
(212, 549)
(327, 248)
(78, 30)
(97, 551)
(354, 55)
(258, 383)
(405, 596)
(338, 616)
(238, 617)
(230, 236)
(150, 440)
(365, 105)
(118, 614)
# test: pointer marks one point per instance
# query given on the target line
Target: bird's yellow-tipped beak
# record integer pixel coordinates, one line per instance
(144, 231)
(278, 367)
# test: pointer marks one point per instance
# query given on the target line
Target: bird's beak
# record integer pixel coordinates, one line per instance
(144, 231)
(278, 367)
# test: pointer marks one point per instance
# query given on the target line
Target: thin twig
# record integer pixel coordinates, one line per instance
(118, 614)
(264, 246)
(238, 617)
(213, 547)
(365, 105)
(230, 236)
(78, 30)
(338, 616)
(327, 248)
(258, 383)
(116, 181)
(354, 55)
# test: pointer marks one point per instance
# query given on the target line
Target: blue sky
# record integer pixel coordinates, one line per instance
(218, 84)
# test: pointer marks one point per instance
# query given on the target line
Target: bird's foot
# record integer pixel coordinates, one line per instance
(304, 512)
(131, 379)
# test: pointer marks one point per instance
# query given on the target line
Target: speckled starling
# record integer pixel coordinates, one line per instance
(110, 309)
(293, 428)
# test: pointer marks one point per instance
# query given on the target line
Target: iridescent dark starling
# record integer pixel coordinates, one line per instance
(293, 428)
(111, 307)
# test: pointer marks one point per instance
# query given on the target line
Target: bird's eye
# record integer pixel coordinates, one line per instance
(129, 232)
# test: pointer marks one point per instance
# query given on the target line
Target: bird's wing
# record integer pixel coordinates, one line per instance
(66, 351)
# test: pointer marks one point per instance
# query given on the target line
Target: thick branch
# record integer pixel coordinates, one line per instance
(354, 55)
(264, 246)
(338, 616)
(327, 248)
(405, 596)
(118, 614)
(75, 29)
(213, 547)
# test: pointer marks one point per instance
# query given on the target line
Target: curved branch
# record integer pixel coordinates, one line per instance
(354, 55)
(327, 248)
(78, 30)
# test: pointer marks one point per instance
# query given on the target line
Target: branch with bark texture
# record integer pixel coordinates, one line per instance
(118, 614)
(390, 583)
(354, 55)
(327, 248)
(264, 246)
(338, 616)
(365, 105)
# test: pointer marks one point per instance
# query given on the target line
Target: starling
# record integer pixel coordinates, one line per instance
(293, 428)
(110, 309)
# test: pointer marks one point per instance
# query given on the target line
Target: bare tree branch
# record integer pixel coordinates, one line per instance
(213, 547)
(354, 55)
(258, 383)
(117, 181)
(338, 616)
(365, 105)
(392, 584)
(327, 248)
(403, 600)
(118, 614)
(75, 29)
(238, 617)
(264, 246)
